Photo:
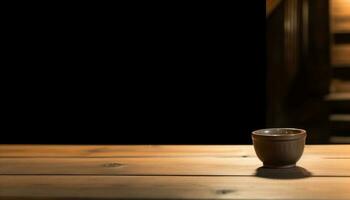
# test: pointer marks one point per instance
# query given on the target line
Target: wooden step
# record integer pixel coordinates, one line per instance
(341, 54)
(340, 16)
(340, 9)
(340, 86)
(341, 96)
(341, 26)
(340, 140)
(340, 117)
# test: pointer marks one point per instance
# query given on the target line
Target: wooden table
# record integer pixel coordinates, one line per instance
(168, 172)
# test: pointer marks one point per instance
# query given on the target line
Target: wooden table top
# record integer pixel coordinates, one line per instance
(168, 172)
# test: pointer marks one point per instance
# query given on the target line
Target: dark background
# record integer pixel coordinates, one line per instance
(171, 74)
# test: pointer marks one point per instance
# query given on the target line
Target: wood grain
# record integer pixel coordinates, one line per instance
(341, 96)
(341, 54)
(340, 8)
(317, 166)
(340, 117)
(168, 172)
(340, 86)
(340, 139)
(174, 187)
(122, 150)
(341, 26)
(86, 151)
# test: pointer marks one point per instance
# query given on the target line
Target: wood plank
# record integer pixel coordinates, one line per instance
(341, 26)
(341, 54)
(340, 8)
(316, 165)
(340, 12)
(340, 139)
(123, 150)
(115, 151)
(173, 187)
(340, 117)
(340, 16)
(338, 96)
(340, 86)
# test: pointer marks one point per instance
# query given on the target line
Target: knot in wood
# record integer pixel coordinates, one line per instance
(224, 191)
(112, 165)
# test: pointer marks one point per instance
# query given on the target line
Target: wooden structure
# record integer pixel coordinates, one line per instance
(298, 67)
(340, 61)
(168, 172)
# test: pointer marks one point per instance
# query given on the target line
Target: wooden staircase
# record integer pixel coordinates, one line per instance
(339, 98)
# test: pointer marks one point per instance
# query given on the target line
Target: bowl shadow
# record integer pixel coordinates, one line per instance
(288, 173)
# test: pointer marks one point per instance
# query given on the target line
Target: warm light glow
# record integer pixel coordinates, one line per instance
(271, 5)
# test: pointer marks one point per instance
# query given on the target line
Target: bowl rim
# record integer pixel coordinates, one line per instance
(298, 132)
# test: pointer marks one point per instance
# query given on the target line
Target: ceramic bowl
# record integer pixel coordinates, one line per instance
(279, 147)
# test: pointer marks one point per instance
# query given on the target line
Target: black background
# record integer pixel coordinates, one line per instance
(135, 74)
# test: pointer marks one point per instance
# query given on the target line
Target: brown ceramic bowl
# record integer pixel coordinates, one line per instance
(279, 147)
